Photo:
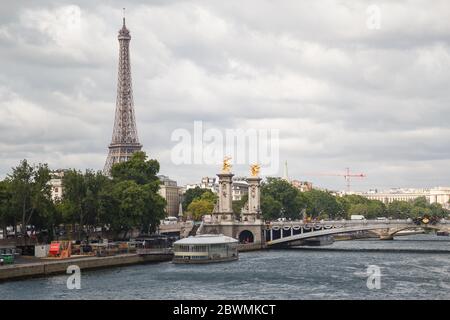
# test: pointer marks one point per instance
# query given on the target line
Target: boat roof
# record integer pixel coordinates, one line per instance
(207, 239)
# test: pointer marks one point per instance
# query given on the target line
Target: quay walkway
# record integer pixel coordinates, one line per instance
(45, 267)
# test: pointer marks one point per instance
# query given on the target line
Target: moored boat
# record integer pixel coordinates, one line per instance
(207, 248)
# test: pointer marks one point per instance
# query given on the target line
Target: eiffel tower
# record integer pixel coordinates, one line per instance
(124, 138)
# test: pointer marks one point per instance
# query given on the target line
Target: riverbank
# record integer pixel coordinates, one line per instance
(46, 267)
(266, 275)
(250, 247)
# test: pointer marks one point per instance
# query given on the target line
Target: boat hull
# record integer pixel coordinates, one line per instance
(205, 261)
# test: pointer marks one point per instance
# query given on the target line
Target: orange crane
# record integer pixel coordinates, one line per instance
(347, 176)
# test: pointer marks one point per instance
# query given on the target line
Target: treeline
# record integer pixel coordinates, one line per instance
(279, 199)
(91, 201)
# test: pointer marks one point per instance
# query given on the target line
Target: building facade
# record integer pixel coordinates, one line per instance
(303, 186)
(56, 184)
(239, 187)
(171, 192)
(209, 183)
(439, 195)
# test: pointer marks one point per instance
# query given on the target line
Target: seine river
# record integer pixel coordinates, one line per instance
(413, 267)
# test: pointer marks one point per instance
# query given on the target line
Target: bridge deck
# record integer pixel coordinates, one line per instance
(298, 230)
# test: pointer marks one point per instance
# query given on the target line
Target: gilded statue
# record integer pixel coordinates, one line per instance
(254, 170)
(226, 167)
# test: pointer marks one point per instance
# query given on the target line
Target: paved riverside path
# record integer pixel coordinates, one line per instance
(48, 267)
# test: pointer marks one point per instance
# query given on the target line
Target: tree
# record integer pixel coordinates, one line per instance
(131, 200)
(125, 204)
(418, 212)
(6, 217)
(370, 209)
(420, 202)
(322, 204)
(137, 169)
(94, 182)
(376, 209)
(399, 209)
(359, 209)
(277, 191)
(192, 194)
(437, 210)
(239, 204)
(74, 195)
(270, 207)
(200, 207)
(30, 193)
(80, 200)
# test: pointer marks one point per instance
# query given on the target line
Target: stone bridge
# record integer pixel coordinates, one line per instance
(281, 233)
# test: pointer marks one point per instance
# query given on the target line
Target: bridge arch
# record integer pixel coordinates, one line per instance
(395, 231)
(246, 236)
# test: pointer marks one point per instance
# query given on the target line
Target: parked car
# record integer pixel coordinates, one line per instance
(170, 220)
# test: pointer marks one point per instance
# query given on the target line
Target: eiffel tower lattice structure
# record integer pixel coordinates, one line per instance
(125, 139)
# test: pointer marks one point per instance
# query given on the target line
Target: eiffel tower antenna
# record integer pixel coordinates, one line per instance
(124, 140)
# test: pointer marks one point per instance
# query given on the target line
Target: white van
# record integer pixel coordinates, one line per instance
(357, 217)
(170, 220)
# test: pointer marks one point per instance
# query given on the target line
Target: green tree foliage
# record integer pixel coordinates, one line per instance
(399, 209)
(420, 202)
(6, 216)
(322, 204)
(376, 209)
(239, 204)
(131, 200)
(358, 205)
(202, 205)
(276, 192)
(271, 208)
(437, 210)
(80, 199)
(128, 200)
(29, 195)
(192, 194)
(137, 169)
(123, 206)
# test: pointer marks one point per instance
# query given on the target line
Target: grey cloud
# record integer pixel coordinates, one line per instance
(341, 95)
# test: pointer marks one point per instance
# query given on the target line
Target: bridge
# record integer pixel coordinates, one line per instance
(285, 233)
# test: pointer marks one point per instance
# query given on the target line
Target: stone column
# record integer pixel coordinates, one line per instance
(253, 208)
(225, 208)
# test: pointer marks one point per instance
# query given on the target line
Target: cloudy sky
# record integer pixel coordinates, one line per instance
(341, 94)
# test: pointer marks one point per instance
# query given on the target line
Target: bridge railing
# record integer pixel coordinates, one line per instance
(348, 222)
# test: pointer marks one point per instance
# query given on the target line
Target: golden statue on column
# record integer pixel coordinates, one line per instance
(254, 170)
(226, 167)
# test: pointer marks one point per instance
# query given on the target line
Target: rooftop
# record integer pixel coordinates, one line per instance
(207, 239)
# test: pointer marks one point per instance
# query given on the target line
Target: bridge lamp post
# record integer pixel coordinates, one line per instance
(303, 213)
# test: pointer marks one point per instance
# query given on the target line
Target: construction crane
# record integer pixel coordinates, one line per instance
(347, 176)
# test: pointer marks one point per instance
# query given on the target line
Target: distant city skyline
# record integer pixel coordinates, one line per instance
(340, 94)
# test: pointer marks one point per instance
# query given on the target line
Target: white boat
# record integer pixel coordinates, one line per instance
(206, 248)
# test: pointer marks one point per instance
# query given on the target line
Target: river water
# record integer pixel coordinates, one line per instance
(412, 267)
